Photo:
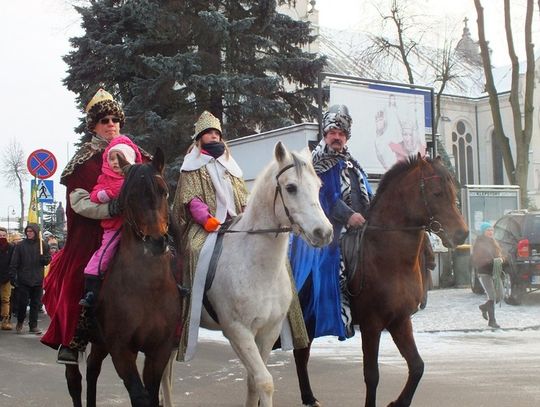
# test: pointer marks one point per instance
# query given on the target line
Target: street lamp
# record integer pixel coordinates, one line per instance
(12, 212)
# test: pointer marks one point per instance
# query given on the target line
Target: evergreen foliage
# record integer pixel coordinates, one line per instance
(168, 61)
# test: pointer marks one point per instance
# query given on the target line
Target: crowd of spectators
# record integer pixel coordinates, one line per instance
(24, 262)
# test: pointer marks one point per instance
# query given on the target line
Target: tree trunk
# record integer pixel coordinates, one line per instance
(493, 97)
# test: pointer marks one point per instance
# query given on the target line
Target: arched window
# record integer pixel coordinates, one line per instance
(497, 160)
(463, 152)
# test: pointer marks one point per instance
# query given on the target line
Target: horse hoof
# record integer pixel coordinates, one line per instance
(316, 403)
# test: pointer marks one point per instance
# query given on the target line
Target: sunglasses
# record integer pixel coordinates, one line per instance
(107, 119)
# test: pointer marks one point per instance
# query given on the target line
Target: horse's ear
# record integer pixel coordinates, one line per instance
(280, 152)
(158, 161)
(123, 163)
(306, 153)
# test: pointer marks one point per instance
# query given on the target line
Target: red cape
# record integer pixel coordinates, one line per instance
(65, 282)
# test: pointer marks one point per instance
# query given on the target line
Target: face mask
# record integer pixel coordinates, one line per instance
(215, 149)
(3, 242)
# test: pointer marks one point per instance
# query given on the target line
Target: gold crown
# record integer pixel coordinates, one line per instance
(100, 96)
(206, 121)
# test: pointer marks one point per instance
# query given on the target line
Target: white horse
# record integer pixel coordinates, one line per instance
(251, 292)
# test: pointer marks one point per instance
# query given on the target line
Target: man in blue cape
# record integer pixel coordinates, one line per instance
(345, 196)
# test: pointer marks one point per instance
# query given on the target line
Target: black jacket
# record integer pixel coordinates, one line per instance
(27, 264)
(5, 259)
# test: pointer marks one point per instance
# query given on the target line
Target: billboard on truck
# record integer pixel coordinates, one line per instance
(390, 122)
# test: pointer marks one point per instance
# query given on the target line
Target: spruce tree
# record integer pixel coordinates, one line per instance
(167, 61)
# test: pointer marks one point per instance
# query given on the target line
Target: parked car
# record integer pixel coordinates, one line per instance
(518, 234)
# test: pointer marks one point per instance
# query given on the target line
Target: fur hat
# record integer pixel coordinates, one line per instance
(337, 117)
(206, 122)
(101, 105)
(127, 151)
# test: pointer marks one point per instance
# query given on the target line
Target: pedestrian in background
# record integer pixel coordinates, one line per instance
(488, 259)
(14, 238)
(27, 264)
(6, 252)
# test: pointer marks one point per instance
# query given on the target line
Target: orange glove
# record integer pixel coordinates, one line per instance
(211, 224)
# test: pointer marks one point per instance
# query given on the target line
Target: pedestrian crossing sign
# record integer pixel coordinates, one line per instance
(44, 191)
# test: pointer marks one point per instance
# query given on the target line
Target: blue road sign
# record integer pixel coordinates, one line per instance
(45, 190)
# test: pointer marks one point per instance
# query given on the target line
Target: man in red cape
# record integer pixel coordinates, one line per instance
(65, 280)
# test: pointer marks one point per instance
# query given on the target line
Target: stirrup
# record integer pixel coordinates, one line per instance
(67, 356)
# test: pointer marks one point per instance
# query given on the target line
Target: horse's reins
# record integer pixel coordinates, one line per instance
(285, 229)
(432, 226)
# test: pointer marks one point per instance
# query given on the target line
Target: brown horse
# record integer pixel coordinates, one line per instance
(138, 308)
(413, 196)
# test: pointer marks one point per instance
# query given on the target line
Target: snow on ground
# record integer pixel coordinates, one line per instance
(450, 314)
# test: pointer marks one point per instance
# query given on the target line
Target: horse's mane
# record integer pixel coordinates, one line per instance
(139, 177)
(402, 167)
(300, 163)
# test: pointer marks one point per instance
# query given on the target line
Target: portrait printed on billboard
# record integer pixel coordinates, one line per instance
(387, 126)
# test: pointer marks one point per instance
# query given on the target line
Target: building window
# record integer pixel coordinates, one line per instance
(463, 153)
(497, 160)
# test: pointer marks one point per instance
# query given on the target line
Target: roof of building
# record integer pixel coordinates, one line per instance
(346, 53)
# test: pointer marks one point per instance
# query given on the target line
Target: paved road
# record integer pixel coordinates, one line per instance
(484, 368)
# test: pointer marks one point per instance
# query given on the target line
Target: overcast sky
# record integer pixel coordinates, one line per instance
(40, 113)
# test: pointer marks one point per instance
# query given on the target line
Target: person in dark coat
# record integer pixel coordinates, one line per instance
(6, 252)
(30, 257)
(487, 257)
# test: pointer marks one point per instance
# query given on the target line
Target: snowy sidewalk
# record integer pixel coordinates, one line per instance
(456, 309)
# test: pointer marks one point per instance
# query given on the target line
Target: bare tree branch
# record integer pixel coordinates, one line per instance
(14, 171)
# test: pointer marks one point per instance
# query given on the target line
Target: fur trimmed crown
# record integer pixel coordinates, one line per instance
(205, 122)
(101, 105)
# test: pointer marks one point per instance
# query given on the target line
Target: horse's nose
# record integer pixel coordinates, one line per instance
(460, 236)
(324, 236)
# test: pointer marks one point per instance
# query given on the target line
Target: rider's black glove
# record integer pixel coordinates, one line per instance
(114, 208)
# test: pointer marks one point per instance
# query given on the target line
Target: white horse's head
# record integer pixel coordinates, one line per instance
(296, 196)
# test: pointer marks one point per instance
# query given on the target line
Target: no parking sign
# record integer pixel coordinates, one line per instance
(41, 164)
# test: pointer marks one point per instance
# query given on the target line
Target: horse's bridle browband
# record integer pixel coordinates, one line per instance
(272, 230)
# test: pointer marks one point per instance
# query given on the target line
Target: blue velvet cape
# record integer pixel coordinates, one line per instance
(322, 305)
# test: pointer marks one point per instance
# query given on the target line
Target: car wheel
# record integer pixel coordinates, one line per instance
(513, 293)
(476, 287)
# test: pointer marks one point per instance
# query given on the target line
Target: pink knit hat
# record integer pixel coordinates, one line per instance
(127, 151)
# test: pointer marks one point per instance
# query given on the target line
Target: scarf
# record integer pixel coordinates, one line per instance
(325, 158)
(215, 149)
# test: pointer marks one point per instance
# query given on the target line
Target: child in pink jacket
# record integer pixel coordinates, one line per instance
(108, 187)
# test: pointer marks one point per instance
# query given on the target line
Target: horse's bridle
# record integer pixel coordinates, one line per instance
(433, 225)
(164, 238)
(286, 229)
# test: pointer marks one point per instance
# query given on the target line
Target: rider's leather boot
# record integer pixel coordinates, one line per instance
(92, 285)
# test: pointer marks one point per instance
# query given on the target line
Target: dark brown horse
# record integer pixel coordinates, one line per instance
(138, 309)
(413, 196)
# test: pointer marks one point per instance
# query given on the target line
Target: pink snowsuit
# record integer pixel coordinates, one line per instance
(108, 187)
